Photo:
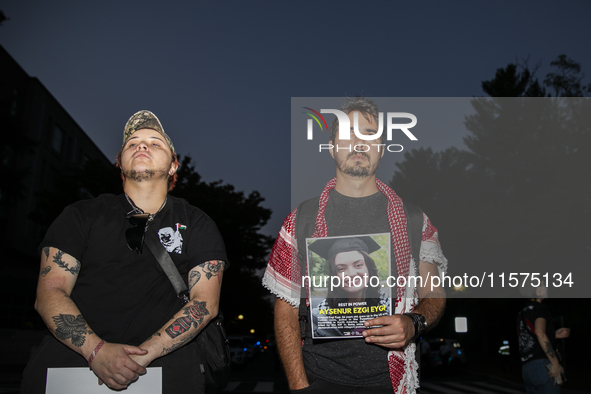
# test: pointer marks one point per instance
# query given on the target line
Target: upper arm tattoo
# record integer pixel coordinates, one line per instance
(46, 251)
(45, 271)
(70, 327)
(57, 258)
(194, 277)
(194, 316)
(213, 268)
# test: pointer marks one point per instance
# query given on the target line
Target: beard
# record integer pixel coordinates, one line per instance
(357, 170)
(144, 175)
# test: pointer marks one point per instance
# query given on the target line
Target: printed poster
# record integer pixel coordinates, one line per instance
(347, 278)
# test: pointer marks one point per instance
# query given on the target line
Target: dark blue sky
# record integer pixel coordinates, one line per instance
(220, 75)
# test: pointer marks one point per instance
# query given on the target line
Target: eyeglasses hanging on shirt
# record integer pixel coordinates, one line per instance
(135, 234)
(140, 221)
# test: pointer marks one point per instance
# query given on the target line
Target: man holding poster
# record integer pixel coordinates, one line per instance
(356, 204)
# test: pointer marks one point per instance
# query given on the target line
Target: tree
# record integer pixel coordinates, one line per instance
(566, 80)
(520, 192)
(509, 82)
(3, 17)
(517, 200)
(239, 219)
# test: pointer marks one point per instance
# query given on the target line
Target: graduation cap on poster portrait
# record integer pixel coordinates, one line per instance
(330, 247)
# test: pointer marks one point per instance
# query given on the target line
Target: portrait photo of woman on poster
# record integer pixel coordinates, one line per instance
(359, 292)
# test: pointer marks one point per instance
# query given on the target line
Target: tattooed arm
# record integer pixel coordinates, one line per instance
(205, 282)
(58, 275)
(540, 328)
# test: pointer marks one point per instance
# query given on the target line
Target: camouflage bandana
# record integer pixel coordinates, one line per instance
(145, 120)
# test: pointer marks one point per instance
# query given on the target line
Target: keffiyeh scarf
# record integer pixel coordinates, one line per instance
(283, 277)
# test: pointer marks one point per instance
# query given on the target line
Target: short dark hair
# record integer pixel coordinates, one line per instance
(361, 104)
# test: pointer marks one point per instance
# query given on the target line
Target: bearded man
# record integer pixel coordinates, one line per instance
(355, 203)
(102, 293)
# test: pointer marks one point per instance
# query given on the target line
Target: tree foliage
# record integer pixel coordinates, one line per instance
(520, 193)
(517, 200)
(567, 79)
(510, 82)
(239, 218)
(3, 17)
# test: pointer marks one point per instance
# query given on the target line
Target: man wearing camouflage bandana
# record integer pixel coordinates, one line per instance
(102, 293)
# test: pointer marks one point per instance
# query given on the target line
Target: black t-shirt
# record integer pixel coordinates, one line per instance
(529, 346)
(125, 297)
(351, 361)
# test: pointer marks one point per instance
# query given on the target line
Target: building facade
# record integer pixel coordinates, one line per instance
(42, 145)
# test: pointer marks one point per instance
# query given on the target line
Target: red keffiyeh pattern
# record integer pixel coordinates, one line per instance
(283, 277)
(397, 221)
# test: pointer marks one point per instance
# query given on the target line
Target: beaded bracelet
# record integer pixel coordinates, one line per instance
(94, 352)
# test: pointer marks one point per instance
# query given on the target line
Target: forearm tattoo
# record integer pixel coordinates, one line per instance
(213, 268)
(156, 334)
(174, 347)
(57, 258)
(194, 316)
(70, 327)
(194, 278)
(550, 350)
